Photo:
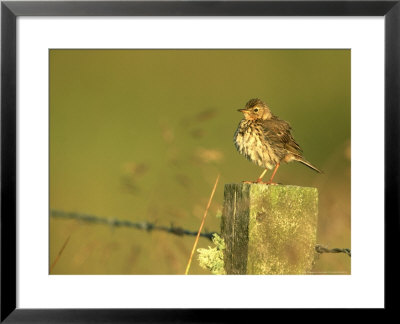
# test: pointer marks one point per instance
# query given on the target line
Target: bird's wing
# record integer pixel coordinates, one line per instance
(278, 132)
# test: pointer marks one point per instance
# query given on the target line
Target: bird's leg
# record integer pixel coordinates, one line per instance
(261, 176)
(272, 176)
(259, 180)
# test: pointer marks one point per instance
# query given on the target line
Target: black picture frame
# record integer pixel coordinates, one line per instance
(10, 10)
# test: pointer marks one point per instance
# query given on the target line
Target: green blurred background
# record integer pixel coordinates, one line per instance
(141, 135)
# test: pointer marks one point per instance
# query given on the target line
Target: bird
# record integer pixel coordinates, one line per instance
(266, 140)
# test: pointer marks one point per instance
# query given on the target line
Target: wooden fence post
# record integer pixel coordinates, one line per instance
(269, 229)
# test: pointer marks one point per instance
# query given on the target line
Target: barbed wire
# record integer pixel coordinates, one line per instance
(322, 249)
(148, 226)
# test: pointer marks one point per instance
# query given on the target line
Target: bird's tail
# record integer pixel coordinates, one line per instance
(305, 162)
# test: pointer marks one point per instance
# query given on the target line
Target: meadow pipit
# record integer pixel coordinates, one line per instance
(266, 140)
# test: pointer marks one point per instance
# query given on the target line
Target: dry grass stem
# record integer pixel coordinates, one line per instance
(201, 225)
(59, 254)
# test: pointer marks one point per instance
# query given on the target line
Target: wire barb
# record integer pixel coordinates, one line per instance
(322, 249)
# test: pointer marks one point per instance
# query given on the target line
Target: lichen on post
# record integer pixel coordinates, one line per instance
(269, 229)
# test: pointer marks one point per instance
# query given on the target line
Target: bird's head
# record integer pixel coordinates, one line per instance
(256, 109)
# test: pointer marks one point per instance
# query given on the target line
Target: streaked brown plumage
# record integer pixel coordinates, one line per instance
(266, 140)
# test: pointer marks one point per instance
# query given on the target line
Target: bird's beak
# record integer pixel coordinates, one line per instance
(242, 110)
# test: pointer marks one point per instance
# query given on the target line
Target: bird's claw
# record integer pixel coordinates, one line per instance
(253, 182)
(261, 182)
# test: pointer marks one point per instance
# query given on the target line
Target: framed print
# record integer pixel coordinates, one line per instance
(124, 126)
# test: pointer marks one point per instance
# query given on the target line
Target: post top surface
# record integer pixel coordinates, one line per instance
(264, 186)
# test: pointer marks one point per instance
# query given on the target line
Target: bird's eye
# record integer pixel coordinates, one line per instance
(255, 109)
